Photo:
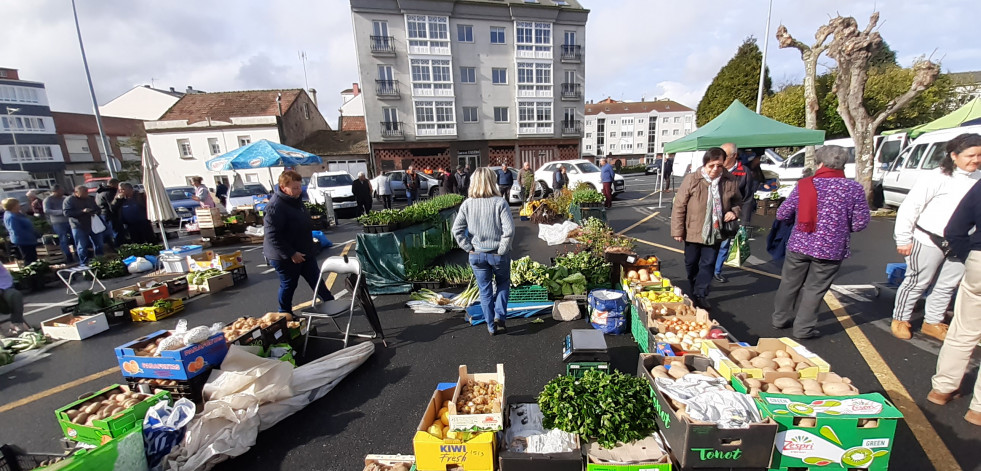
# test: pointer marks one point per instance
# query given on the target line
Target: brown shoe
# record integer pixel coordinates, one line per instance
(973, 417)
(937, 331)
(940, 398)
(900, 329)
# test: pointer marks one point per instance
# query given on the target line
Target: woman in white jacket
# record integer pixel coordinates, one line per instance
(919, 230)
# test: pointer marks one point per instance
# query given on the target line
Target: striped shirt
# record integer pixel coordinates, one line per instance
(489, 224)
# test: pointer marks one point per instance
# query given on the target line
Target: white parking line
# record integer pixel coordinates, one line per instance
(269, 271)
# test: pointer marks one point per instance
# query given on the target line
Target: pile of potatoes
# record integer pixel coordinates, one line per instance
(479, 397)
(151, 349)
(767, 361)
(831, 385)
(245, 324)
(376, 466)
(105, 406)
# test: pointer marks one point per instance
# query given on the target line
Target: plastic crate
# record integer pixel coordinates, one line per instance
(12, 458)
(192, 389)
(527, 294)
(117, 313)
(239, 275)
(578, 369)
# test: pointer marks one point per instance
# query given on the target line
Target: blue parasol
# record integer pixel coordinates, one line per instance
(262, 154)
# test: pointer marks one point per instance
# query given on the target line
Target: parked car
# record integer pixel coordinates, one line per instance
(21, 195)
(514, 197)
(922, 155)
(791, 169)
(246, 195)
(579, 171)
(653, 168)
(335, 184)
(428, 186)
(180, 199)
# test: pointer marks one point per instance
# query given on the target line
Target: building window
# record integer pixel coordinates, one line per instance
(675, 132)
(665, 120)
(677, 119)
(688, 119)
(184, 145)
(31, 153)
(589, 135)
(589, 147)
(534, 80)
(535, 117)
(244, 140)
(469, 114)
(468, 75)
(213, 146)
(612, 122)
(497, 35)
(435, 118)
(534, 40)
(640, 120)
(428, 34)
(613, 134)
(464, 33)
(501, 114)
(15, 94)
(627, 121)
(640, 133)
(664, 132)
(22, 123)
(431, 77)
(500, 76)
(613, 147)
(306, 111)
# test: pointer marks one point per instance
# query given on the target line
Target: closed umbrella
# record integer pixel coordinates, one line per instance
(158, 205)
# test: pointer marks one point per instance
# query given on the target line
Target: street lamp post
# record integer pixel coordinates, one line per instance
(13, 134)
(95, 104)
(766, 42)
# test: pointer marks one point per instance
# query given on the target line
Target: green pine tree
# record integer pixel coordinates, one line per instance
(737, 80)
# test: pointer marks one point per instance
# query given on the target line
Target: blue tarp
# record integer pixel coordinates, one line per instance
(475, 315)
(262, 154)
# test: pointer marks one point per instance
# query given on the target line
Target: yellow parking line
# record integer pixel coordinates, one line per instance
(648, 218)
(57, 389)
(648, 196)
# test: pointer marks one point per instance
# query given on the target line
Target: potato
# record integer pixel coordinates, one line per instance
(810, 384)
(794, 391)
(784, 362)
(91, 408)
(741, 354)
(71, 413)
(832, 378)
(754, 392)
(784, 383)
(868, 423)
(660, 371)
(771, 388)
(836, 389)
(781, 354)
(677, 372)
(745, 364)
(768, 355)
(753, 383)
(767, 369)
(785, 369)
(803, 365)
(807, 422)
(80, 418)
(762, 363)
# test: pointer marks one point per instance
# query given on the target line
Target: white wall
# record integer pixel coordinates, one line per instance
(353, 106)
(139, 103)
(174, 170)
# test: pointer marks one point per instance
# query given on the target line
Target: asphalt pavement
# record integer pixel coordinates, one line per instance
(378, 407)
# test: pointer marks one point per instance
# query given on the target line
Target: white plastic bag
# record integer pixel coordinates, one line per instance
(139, 266)
(163, 428)
(556, 234)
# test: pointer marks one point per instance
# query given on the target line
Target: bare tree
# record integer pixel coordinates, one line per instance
(852, 48)
(810, 55)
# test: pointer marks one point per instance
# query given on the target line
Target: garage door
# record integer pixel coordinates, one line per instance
(350, 166)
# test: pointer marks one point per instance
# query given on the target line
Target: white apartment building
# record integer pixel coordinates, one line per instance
(28, 140)
(634, 131)
(471, 82)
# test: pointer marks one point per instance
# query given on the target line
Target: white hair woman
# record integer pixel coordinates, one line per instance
(484, 228)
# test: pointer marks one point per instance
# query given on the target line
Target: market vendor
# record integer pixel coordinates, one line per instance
(201, 193)
(130, 207)
(12, 302)
(288, 241)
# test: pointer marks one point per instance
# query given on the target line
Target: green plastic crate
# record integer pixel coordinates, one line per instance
(579, 368)
(101, 431)
(527, 294)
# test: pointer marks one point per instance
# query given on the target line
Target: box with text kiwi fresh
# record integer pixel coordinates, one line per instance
(769, 355)
(464, 450)
(831, 433)
(485, 411)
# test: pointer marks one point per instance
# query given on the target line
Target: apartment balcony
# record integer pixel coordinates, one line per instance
(572, 127)
(392, 130)
(383, 45)
(572, 91)
(387, 89)
(571, 53)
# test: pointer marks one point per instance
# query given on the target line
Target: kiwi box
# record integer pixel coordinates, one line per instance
(703, 444)
(102, 430)
(477, 422)
(182, 364)
(436, 454)
(719, 351)
(840, 432)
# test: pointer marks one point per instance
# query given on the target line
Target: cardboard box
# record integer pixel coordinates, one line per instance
(101, 431)
(477, 422)
(640, 451)
(58, 327)
(185, 363)
(718, 352)
(144, 296)
(154, 313)
(812, 357)
(840, 437)
(214, 284)
(433, 454)
(702, 444)
(739, 384)
(389, 460)
(175, 284)
(518, 461)
(229, 261)
(200, 261)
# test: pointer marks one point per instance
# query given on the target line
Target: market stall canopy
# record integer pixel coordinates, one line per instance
(14, 176)
(743, 127)
(262, 154)
(966, 115)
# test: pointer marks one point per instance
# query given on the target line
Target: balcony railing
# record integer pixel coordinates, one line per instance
(387, 89)
(392, 130)
(572, 126)
(383, 45)
(571, 53)
(571, 91)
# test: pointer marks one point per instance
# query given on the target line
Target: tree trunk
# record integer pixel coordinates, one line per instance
(810, 101)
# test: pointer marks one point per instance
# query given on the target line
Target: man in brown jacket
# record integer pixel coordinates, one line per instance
(707, 198)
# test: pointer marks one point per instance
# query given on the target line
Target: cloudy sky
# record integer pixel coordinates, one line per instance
(634, 48)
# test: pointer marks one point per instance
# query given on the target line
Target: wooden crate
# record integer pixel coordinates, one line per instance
(209, 218)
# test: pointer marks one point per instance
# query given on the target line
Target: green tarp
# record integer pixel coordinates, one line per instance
(971, 111)
(743, 127)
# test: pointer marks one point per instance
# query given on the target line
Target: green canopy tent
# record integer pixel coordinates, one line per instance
(743, 127)
(971, 111)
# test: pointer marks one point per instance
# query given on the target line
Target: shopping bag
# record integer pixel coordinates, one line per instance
(163, 428)
(98, 225)
(739, 251)
(608, 310)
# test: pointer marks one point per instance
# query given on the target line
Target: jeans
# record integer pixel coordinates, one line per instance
(289, 278)
(723, 255)
(804, 281)
(410, 197)
(85, 240)
(699, 263)
(64, 230)
(492, 270)
(29, 252)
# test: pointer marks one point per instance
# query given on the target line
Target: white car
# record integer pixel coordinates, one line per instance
(578, 171)
(247, 195)
(791, 169)
(514, 197)
(335, 184)
(919, 157)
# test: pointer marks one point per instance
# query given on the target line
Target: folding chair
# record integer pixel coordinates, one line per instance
(330, 310)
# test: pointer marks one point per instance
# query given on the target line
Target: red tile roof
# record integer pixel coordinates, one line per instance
(77, 123)
(222, 106)
(623, 107)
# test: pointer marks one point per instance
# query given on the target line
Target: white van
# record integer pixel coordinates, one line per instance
(791, 169)
(335, 184)
(922, 155)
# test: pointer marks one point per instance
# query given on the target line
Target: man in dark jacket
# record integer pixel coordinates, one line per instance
(505, 180)
(448, 182)
(462, 180)
(744, 179)
(412, 183)
(104, 196)
(130, 207)
(80, 208)
(221, 191)
(288, 241)
(361, 188)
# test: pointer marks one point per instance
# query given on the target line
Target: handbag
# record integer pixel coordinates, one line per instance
(98, 225)
(939, 241)
(729, 229)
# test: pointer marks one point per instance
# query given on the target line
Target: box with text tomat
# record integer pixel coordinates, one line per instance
(434, 454)
(704, 444)
(185, 363)
(836, 432)
(460, 422)
(719, 352)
